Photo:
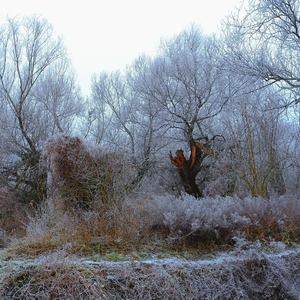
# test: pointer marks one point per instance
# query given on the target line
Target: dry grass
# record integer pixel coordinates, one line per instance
(51, 277)
(13, 214)
(83, 232)
(162, 223)
(54, 236)
(253, 276)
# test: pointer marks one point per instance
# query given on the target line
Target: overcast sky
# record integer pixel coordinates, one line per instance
(110, 34)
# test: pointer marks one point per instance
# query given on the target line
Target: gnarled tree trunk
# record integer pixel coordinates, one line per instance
(189, 168)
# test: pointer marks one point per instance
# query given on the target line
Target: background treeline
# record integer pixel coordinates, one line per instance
(235, 94)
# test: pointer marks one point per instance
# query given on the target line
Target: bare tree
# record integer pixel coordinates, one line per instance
(59, 100)
(256, 143)
(169, 99)
(128, 118)
(263, 42)
(110, 92)
(190, 88)
(34, 82)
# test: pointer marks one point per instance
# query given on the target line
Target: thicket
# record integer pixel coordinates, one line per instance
(80, 179)
(91, 211)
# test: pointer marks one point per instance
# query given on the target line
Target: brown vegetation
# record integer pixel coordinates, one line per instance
(253, 276)
(81, 178)
(13, 214)
(89, 214)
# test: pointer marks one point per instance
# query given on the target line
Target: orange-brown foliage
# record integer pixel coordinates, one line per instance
(13, 214)
(78, 176)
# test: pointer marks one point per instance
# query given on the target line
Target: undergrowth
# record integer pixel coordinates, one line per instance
(149, 227)
(91, 212)
(161, 224)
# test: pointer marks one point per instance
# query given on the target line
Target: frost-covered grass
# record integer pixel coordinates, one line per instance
(218, 220)
(139, 240)
(162, 223)
(250, 275)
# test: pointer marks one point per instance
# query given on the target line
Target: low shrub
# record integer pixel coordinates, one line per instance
(162, 222)
(217, 220)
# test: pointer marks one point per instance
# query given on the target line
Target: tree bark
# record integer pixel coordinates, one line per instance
(187, 170)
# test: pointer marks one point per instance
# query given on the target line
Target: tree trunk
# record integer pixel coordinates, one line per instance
(188, 169)
(188, 179)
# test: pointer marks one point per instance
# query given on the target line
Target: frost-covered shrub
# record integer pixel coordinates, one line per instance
(83, 176)
(161, 179)
(219, 219)
(187, 216)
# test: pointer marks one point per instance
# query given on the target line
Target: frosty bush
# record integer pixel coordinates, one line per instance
(83, 176)
(219, 219)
